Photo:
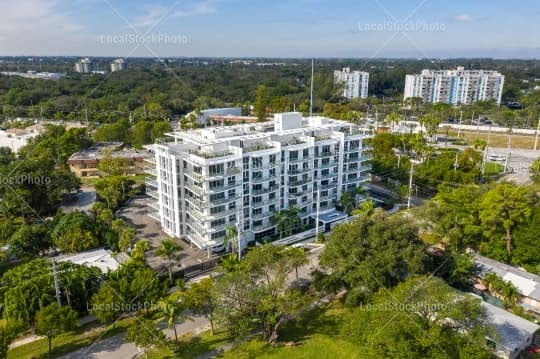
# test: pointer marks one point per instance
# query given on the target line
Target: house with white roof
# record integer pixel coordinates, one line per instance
(527, 284)
(514, 334)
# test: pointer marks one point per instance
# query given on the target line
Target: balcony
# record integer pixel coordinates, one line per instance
(233, 171)
(263, 226)
(151, 183)
(264, 203)
(152, 193)
(299, 171)
(304, 159)
(326, 186)
(299, 183)
(223, 188)
(325, 176)
(222, 214)
(263, 179)
(261, 215)
(209, 155)
(263, 166)
(264, 190)
(325, 154)
(326, 165)
(151, 171)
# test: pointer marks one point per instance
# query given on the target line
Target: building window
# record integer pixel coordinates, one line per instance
(293, 155)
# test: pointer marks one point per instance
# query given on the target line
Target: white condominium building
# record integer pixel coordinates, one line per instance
(455, 86)
(83, 66)
(356, 83)
(207, 179)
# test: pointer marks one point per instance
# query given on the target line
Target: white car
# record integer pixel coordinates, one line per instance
(497, 158)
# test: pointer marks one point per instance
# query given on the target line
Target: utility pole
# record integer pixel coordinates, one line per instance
(459, 129)
(56, 284)
(238, 233)
(410, 185)
(317, 216)
(536, 138)
(456, 162)
(311, 100)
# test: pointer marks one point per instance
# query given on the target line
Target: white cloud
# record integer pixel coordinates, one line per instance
(31, 26)
(156, 14)
(201, 8)
(464, 18)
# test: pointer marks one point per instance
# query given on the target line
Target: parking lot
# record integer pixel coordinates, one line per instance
(150, 230)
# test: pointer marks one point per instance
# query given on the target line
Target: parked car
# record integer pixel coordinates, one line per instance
(497, 158)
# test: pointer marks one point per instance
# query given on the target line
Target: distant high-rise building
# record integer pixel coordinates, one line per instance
(355, 83)
(118, 65)
(455, 87)
(83, 66)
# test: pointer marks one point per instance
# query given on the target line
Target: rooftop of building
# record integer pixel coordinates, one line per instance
(527, 284)
(100, 258)
(293, 124)
(512, 330)
(98, 151)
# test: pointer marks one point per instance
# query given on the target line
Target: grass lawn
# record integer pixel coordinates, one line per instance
(316, 336)
(495, 139)
(190, 347)
(67, 342)
(493, 169)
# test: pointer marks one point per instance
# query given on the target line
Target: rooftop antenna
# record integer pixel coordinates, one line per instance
(311, 100)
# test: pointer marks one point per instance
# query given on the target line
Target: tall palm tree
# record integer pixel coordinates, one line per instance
(231, 237)
(280, 220)
(347, 202)
(172, 309)
(169, 250)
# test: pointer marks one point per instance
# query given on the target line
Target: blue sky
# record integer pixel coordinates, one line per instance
(278, 28)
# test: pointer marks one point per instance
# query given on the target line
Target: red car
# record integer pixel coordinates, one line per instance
(533, 349)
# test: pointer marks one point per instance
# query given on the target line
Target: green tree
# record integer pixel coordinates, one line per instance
(297, 257)
(53, 320)
(169, 250)
(262, 102)
(506, 205)
(145, 334)
(429, 320)
(347, 202)
(370, 253)
(75, 232)
(172, 310)
(8, 332)
(535, 171)
(201, 299)
(257, 296)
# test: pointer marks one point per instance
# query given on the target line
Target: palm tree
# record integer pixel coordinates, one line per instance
(172, 309)
(294, 222)
(169, 249)
(347, 202)
(298, 258)
(280, 220)
(231, 237)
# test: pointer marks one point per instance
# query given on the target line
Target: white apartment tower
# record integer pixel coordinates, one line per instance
(83, 66)
(207, 179)
(356, 83)
(118, 65)
(455, 87)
